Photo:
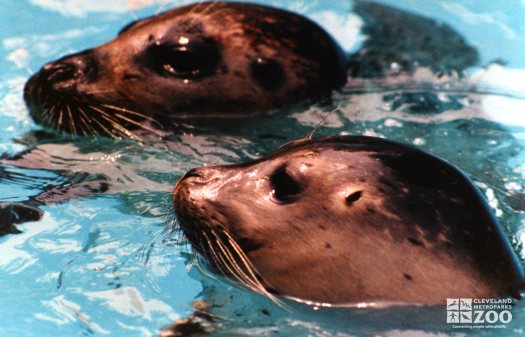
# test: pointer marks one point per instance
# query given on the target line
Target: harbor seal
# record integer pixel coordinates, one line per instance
(205, 59)
(348, 219)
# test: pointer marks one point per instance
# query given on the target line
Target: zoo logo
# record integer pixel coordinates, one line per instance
(462, 310)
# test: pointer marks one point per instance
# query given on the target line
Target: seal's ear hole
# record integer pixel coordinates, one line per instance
(267, 73)
(353, 197)
(285, 189)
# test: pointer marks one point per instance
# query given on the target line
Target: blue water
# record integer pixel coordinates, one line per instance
(103, 265)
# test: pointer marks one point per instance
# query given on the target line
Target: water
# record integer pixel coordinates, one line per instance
(102, 264)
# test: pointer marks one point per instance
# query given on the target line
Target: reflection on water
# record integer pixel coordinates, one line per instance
(101, 263)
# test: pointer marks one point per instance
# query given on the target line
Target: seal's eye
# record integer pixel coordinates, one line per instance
(285, 189)
(187, 58)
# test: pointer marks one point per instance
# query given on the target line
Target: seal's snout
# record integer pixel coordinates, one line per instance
(191, 177)
(64, 74)
(56, 88)
(199, 184)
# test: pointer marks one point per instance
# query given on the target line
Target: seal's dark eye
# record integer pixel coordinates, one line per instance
(188, 58)
(285, 189)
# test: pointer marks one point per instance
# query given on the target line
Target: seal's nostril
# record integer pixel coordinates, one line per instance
(66, 72)
(59, 72)
(192, 173)
(48, 66)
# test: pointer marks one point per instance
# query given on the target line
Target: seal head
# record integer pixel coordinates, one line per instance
(345, 220)
(206, 59)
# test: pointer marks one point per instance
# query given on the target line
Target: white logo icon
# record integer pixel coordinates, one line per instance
(493, 313)
(459, 310)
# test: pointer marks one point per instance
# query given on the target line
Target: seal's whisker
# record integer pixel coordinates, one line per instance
(209, 6)
(97, 92)
(201, 9)
(84, 125)
(146, 249)
(203, 248)
(321, 123)
(104, 114)
(195, 9)
(53, 120)
(237, 273)
(210, 253)
(82, 129)
(200, 266)
(134, 122)
(59, 119)
(71, 120)
(240, 274)
(48, 116)
(120, 128)
(106, 131)
(250, 270)
(250, 273)
(218, 11)
(115, 124)
(131, 112)
(86, 119)
(171, 224)
(144, 127)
